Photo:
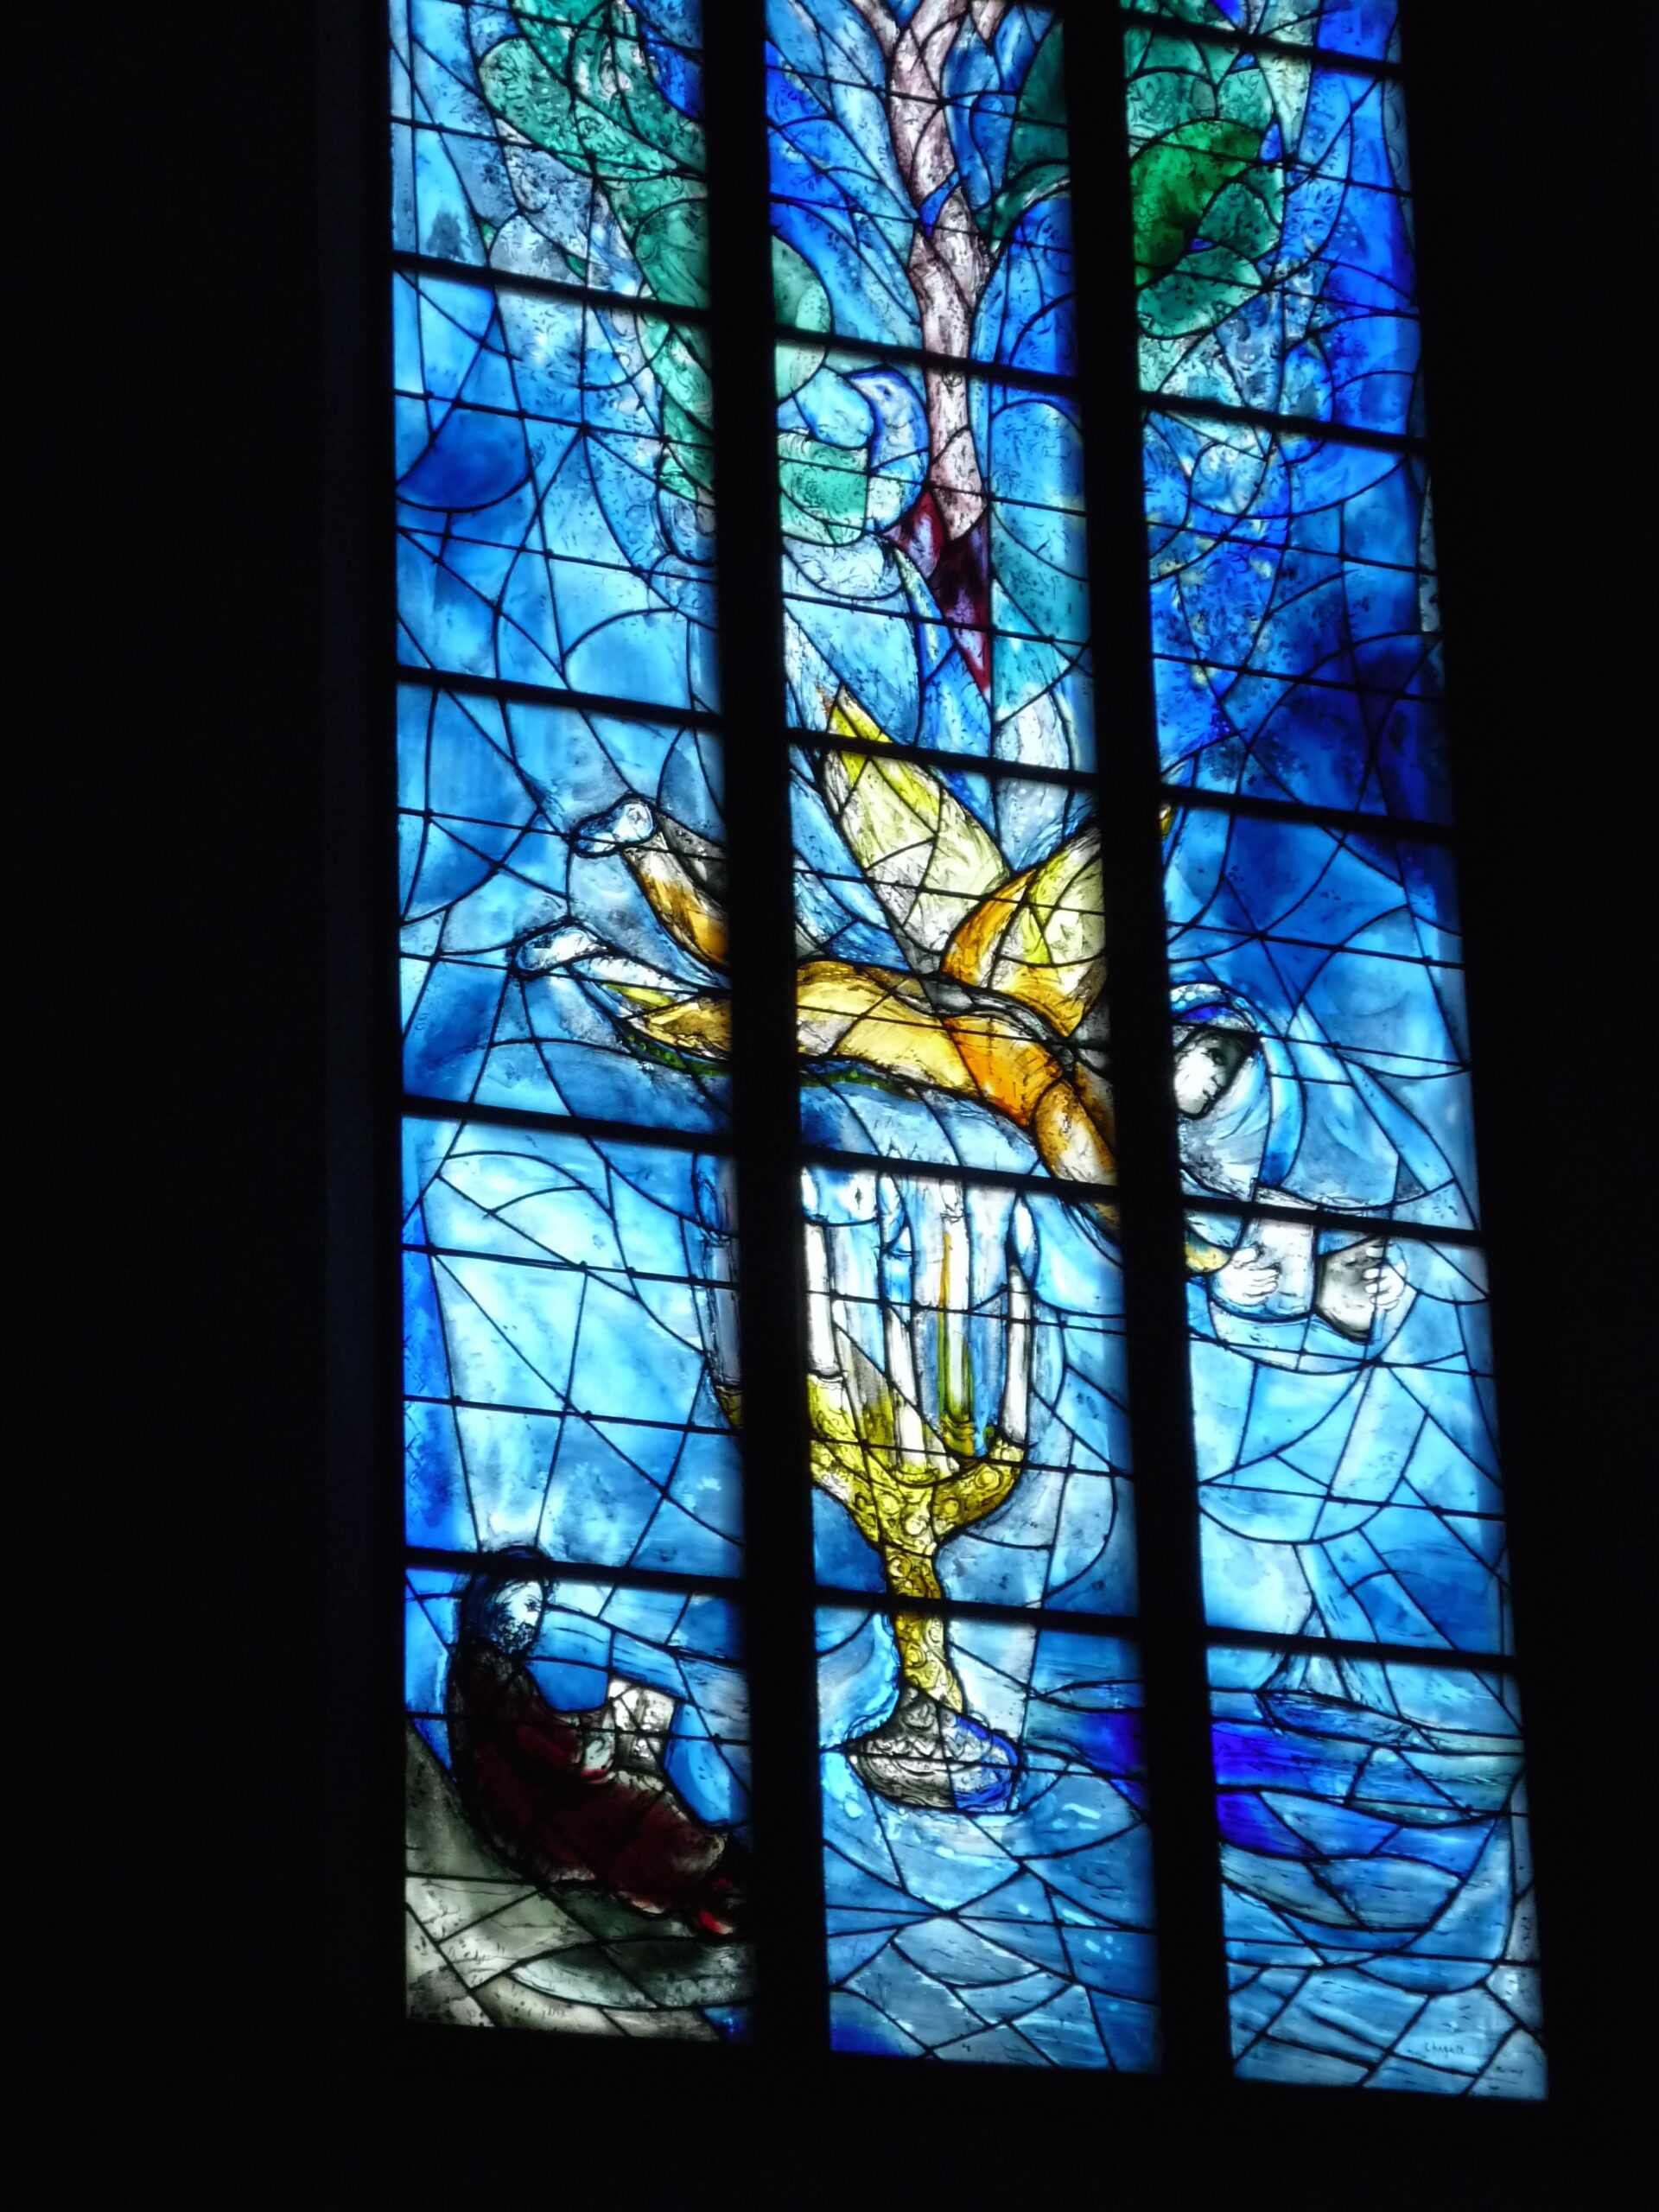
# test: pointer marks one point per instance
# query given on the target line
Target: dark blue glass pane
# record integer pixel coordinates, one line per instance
(1347, 1451)
(986, 1866)
(563, 882)
(514, 145)
(1377, 1876)
(1321, 1055)
(966, 1395)
(576, 1813)
(919, 174)
(1295, 620)
(941, 579)
(553, 499)
(569, 1348)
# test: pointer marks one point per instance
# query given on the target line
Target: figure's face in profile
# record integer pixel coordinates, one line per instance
(519, 1609)
(1205, 1067)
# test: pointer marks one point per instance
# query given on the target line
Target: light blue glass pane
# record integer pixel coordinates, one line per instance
(921, 189)
(1377, 1872)
(1321, 1052)
(986, 1870)
(1295, 620)
(952, 965)
(946, 590)
(1368, 29)
(576, 1763)
(563, 876)
(560, 140)
(1273, 234)
(967, 1393)
(555, 525)
(1346, 1448)
(571, 1348)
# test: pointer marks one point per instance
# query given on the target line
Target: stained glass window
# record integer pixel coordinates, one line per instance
(595, 1572)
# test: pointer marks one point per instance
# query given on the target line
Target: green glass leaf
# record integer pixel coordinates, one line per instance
(1178, 180)
(799, 299)
(579, 85)
(823, 488)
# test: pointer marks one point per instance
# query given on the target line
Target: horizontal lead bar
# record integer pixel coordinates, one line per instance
(1320, 57)
(1333, 1646)
(488, 279)
(884, 1602)
(417, 1107)
(539, 695)
(1087, 781)
(562, 1570)
(892, 350)
(1312, 427)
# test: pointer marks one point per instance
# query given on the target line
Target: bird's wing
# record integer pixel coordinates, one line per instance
(1040, 938)
(926, 857)
(682, 900)
(699, 1027)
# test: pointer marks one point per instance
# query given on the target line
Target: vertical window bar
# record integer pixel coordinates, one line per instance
(1181, 1799)
(1431, 48)
(790, 2001)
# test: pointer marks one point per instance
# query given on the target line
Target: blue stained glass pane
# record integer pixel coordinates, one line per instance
(1295, 618)
(1273, 234)
(966, 1393)
(952, 963)
(1347, 1452)
(570, 1348)
(1377, 1876)
(576, 1762)
(921, 182)
(944, 585)
(1368, 29)
(1320, 1047)
(513, 146)
(562, 876)
(554, 504)
(986, 1870)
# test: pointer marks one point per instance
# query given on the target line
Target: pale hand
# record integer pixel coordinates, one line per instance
(1247, 1278)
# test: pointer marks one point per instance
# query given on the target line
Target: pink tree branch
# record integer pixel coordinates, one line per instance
(949, 267)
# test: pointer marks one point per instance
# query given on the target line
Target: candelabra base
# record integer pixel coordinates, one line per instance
(928, 1755)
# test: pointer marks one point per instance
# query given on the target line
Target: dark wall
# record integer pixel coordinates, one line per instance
(214, 718)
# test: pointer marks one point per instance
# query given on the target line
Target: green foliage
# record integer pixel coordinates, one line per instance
(1177, 180)
(823, 488)
(799, 298)
(1208, 208)
(579, 85)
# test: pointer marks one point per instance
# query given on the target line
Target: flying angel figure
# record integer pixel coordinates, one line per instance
(999, 1002)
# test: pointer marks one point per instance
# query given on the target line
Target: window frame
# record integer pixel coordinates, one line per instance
(356, 778)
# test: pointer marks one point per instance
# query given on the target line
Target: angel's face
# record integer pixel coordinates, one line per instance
(1205, 1067)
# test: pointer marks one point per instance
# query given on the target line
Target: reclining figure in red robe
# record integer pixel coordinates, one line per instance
(564, 1797)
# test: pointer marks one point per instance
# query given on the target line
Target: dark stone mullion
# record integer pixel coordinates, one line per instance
(1181, 1797)
(791, 1996)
